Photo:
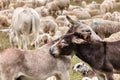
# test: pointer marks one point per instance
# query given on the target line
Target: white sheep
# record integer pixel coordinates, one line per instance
(79, 13)
(63, 29)
(108, 16)
(113, 37)
(115, 16)
(105, 28)
(91, 6)
(57, 35)
(87, 73)
(106, 6)
(47, 25)
(83, 4)
(42, 40)
(71, 7)
(4, 21)
(56, 5)
(42, 11)
(62, 21)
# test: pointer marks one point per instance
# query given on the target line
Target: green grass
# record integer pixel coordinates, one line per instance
(4, 41)
(73, 75)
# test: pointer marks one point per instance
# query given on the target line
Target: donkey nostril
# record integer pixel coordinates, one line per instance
(51, 51)
(90, 33)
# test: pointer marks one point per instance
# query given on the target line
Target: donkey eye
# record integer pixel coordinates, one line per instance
(64, 43)
(88, 31)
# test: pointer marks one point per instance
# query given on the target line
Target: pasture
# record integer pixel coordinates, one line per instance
(4, 43)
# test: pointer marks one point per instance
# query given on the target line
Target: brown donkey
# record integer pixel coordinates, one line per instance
(103, 57)
(39, 64)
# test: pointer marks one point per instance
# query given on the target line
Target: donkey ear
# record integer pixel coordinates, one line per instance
(70, 20)
(78, 40)
(87, 37)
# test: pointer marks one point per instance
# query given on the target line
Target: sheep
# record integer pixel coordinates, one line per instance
(92, 8)
(108, 16)
(115, 16)
(4, 4)
(57, 35)
(94, 12)
(4, 21)
(48, 26)
(56, 5)
(113, 37)
(63, 29)
(106, 6)
(6, 11)
(83, 4)
(42, 40)
(105, 28)
(87, 73)
(92, 5)
(62, 21)
(72, 7)
(42, 11)
(79, 13)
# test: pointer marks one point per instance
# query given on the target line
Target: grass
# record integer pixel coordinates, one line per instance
(74, 76)
(4, 41)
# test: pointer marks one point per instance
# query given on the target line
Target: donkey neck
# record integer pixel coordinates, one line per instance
(92, 53)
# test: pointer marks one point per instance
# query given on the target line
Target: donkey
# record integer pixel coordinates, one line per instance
(103, 57)
(39, 64)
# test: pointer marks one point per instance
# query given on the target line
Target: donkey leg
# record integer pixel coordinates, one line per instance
(7, 75)
(109, 75)
(65, 76)
(25, 41)
(19, 40)
(100, 75)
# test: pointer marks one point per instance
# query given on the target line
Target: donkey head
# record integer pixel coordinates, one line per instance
(75, 35)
